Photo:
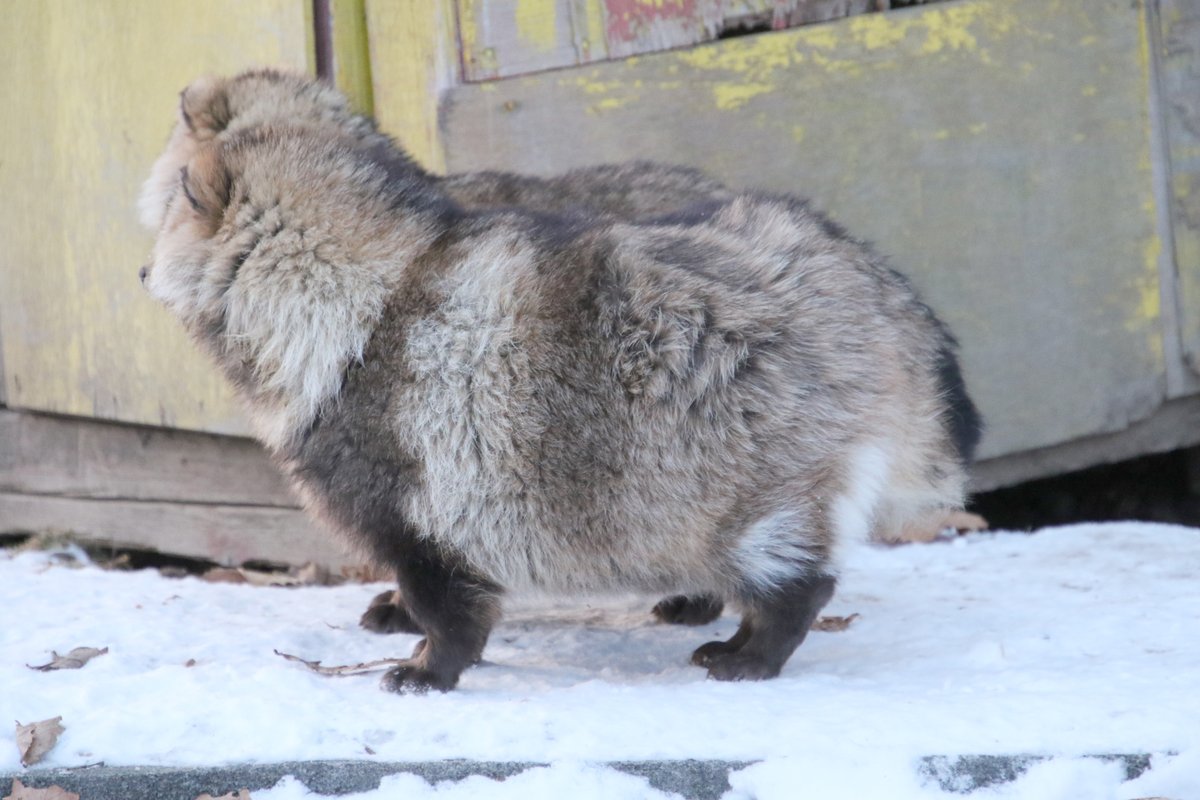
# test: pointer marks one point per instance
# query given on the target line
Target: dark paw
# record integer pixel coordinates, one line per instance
(740, 666)
(387, 615)
(699, 609)
(705, 654)
(412, 679)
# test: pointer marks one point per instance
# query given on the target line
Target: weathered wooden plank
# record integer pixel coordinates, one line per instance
(351, 53)
(1180, 79)
(414, 57)
(89, 93)
(77, 457)
(998, 149)
(226, 534)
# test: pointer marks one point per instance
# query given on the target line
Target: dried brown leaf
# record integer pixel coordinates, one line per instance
(22, 792)
(37, 738)
(833, 624)
(224, 575)
(308, 575)
(256, 577)
(241, 794)
(366, 573)
(348, 669)
(72, 660)
(313, 574)
(120, 562)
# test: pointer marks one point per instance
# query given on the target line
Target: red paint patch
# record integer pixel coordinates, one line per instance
(628, 19)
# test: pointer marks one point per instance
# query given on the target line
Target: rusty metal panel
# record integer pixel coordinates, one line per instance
(502, 38)
(999, 150)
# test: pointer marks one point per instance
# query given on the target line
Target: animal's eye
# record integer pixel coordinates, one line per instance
(187, 192)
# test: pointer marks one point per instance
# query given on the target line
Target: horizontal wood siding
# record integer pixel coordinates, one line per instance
(191, 493)
(81, 458)
(229, 535)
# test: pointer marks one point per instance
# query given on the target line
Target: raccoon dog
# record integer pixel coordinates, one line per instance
(707, 402)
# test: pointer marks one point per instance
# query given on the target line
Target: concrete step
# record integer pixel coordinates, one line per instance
(693, 779)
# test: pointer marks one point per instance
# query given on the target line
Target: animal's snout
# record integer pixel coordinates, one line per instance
(142, 273)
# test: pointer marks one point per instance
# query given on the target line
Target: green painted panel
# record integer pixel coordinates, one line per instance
(998, 150)
(1180, 71)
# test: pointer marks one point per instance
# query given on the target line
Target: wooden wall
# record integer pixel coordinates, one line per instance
(1034, 165)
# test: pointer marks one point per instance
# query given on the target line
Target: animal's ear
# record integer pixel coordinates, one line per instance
(204, 107)
(205, 183)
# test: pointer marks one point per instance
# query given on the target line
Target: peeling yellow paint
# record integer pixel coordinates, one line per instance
(798, 134)
(537, 23)
(1149, 307)
(594, 16)
(607, 104)
(977, 128)
(942, 134)
(730, 96)
(822, 36)
(847, 66)
(351, 53)
(758, 60)
(949, 29)
(1146, 312)
(875, 31)
(468, 31)
(757, 54)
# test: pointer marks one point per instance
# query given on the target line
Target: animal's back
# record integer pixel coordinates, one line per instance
(623, 404)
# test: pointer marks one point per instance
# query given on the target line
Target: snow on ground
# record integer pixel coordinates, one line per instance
(1075, 640)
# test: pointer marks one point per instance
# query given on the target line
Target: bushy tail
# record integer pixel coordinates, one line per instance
(961, 418)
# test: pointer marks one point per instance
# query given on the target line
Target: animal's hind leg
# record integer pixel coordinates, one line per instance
(773, 626)
(688, 609)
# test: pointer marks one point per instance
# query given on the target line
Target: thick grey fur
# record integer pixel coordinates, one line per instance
(709, 401)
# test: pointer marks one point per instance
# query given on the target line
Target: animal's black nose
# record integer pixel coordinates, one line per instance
(142, 273)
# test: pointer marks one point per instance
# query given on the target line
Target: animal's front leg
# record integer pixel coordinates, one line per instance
(454, 607)
(388, 614)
